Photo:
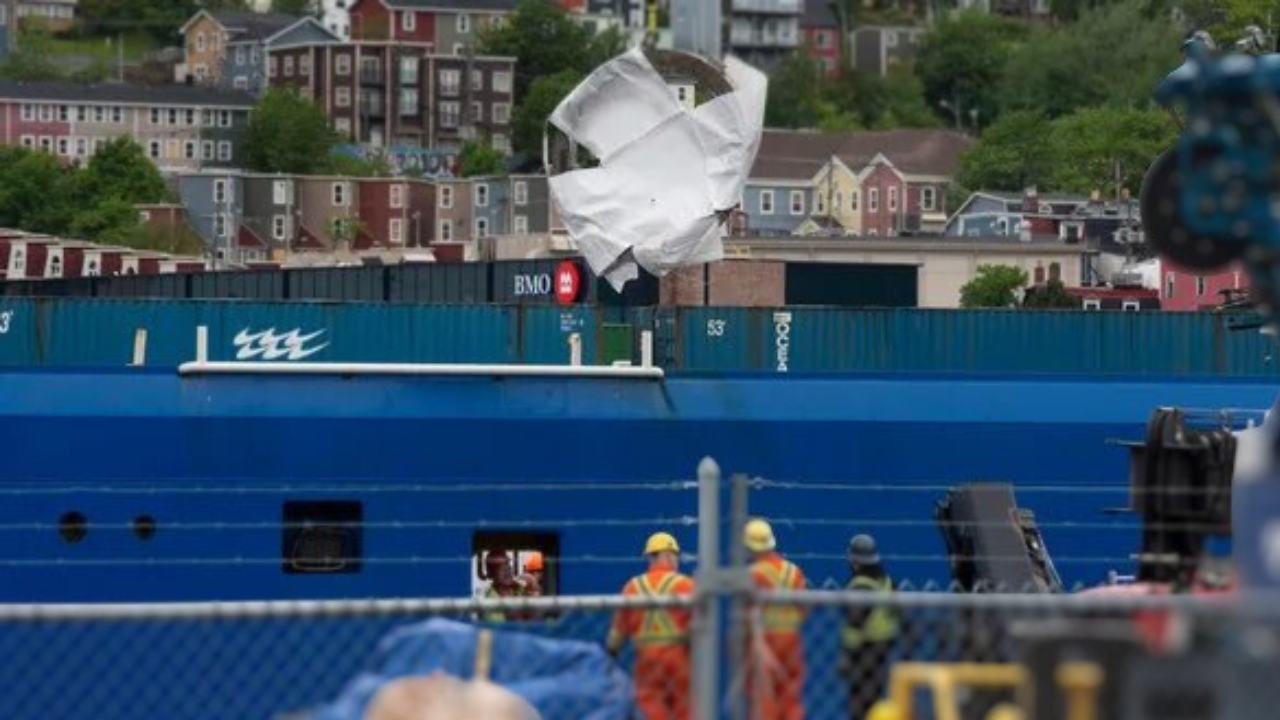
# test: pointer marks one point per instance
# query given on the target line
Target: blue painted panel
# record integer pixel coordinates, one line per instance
(18, 325)
(546, 331)
(716, 338)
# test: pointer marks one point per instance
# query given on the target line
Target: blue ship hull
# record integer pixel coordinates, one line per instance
(212, 459)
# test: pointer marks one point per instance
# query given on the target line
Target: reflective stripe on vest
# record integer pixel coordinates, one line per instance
(657, 625)
(881, 624)
(781, 618)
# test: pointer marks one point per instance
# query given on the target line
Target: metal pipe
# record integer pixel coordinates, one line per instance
(202, 346)
(139, 347)
(204, 367)
(705, 641)
(646, 348)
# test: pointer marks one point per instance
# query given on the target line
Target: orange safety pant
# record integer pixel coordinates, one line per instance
(662, 681)
(775, 685)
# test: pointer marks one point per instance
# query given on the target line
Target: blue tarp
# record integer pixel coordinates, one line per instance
(563, 679)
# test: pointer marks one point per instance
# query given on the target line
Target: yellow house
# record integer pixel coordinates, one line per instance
(836, 201)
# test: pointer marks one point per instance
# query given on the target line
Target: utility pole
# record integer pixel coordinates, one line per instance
(120, 57)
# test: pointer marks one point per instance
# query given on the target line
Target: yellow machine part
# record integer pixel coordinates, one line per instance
(1079, 681)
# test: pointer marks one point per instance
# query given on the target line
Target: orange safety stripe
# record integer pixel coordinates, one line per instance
(782, 618)
(658, 626)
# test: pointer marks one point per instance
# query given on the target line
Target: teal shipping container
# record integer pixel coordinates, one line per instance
(70, 331)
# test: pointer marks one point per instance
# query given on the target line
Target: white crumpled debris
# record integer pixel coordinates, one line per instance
(665, 171)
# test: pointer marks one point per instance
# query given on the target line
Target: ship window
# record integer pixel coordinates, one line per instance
(519, 548)
(322, 536)
(144, 527)
(73, 526)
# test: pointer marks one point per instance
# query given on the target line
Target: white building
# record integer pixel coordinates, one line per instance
(335, 14)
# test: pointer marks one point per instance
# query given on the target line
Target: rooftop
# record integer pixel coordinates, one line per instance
(124, 94)
(800, 154)
(252, 25)
(459, 5)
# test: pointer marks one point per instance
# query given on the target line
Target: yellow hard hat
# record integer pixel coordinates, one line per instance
(883, 710)
(661, 542)
(758, 536)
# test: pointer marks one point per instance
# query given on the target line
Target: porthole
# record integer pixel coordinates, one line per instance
(144, 527)
(73, 527)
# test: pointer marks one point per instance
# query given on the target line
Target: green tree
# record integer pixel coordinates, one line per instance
(961, 63)
(33, 61)
(339, 163)
(994, 286)
(287, 133)
(1096, 148)
(479, 158)
(345, 230)
(1012, 154)
(545, 41)
(120, 170)
(1060, 70)
(33, 191)
(795, 98)
(1052, 295)
(530, 116)
(894, 101)
(294, 7)
(109, 220)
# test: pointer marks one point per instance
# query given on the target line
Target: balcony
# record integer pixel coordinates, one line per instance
(763, 40)
(767, 7)
(372, 76)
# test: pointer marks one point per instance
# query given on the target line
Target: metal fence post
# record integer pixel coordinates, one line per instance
(705, 641)
(739, 489)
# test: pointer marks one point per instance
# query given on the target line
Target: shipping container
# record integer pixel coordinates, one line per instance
(253, 285)
(459, 283)
(169, 287)
(852, 285)
(534, 282)
(362, 284)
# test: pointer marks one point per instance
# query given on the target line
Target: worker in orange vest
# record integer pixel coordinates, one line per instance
(660, 636)
(775, 665)
(534, 572)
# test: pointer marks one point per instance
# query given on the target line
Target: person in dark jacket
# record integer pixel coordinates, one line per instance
(869, 631)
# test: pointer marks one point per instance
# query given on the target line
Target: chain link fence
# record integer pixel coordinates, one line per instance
(383, 660)
(983, 657)
(950, 656)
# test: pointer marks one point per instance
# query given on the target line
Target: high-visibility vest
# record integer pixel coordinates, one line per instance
(880, 625)
(498, 615)
(779, 574)
(654, 626)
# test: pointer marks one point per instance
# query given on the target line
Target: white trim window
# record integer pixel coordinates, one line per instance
(396, 199)
(28, 112)
(288, 66)
(224, 151)
(224, 118)
(342, 126)
(153, 150)
(273, 66)
(446, 197)
(280, 192)
(1092, 304)
(342, 64)
(408, 70)
(1168, 286)
(82, 147)
(46, 143)
(450, 82)
(117, 115)
(64, 146)
(219, 192)
(1200, 286)
(1130, 306)
(481, 194)
(893, 199)
(797, 202)
(501, 81)
(340, 194)
(408, 21)
(395, 231)
(482, 227)
(463, 23)
(46, 113)
(206, 151)
(28, 142)
(279, 227)
(766, 202)
(239, 54)
(200, 42)
(873, 200)
(220, 225)
(445, 230)
(501, 113)
(342, 97)
(64, 113)
(449, 114)
(520, 225)
(928, 198)
(521, 192)
(189, 150)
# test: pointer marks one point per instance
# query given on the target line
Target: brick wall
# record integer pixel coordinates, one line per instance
(734, 283)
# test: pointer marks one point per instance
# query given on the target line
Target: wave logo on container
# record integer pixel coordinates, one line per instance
(270, 346)
(782, 339)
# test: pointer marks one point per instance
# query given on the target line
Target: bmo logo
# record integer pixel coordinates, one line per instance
(568, 282)
(565, 284)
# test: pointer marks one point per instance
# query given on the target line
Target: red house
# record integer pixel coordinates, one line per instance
(1188, 291)
(395, 213)
(822, 36)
